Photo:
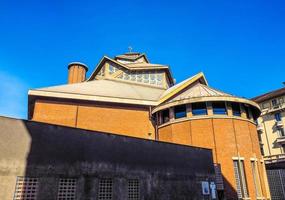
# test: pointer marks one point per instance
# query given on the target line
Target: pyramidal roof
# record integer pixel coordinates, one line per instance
(104, 90)
(131, 56)
(200, 90)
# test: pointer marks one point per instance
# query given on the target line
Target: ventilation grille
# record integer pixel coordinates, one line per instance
(105, 189)
(26, 188)
(66, 189)
(219, 177)
(276, 180)
(133, 189)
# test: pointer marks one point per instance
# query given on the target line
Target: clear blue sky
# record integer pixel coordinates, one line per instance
(238, 44)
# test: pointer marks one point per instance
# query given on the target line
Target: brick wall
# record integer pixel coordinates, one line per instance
(227, 138)
(130, 121)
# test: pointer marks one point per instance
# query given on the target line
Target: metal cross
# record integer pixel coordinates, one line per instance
(130, 49)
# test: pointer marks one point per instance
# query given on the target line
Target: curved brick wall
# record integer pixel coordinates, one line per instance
(228, 138)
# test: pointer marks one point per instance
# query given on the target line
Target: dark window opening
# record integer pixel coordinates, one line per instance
(236, 109)
(274, 102)
(219, 108)
(165, 116)
(262, 149)
(259, 137)
(283, 148)
(277, 117)
(180, 111)
(199, 108)
(246, 108)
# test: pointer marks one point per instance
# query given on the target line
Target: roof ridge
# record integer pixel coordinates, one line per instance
(268, 93)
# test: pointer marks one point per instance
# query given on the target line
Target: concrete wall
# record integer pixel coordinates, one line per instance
(49, 152)
(117, 119)
(228, 138)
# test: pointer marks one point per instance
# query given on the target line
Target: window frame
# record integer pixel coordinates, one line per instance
(240, 176)
(182, 113)
(236, 112)
(163, 116)
(199, 111)
(222, 110)
(278, 117)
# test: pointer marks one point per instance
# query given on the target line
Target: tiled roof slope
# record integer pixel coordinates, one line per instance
(109, 88)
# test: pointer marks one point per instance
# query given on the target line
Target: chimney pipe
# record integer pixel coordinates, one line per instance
(76, 72)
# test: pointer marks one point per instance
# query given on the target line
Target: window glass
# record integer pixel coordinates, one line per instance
(274, 102)
(265, 105)
(236, 109)
(152, 78)
(262, 149)
(237, 178)
(133, 76)
(165, 116)
(240, 179)
(139, 77)
(126, 76)
(146, 77)
(219, 108)
(246, 109)
(111, 69)
(199, 108)
(277, 117)
(180, 111)
(255, 173)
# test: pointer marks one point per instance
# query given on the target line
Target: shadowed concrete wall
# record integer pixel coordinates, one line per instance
(49, 152)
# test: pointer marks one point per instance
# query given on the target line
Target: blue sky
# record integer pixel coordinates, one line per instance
(238, 44)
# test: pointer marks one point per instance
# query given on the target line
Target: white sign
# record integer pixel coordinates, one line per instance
(205, 188)
(213, 190)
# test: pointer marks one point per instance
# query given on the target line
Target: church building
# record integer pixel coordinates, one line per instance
(128, 95)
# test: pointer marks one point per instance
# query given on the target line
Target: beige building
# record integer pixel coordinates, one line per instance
(271, 125)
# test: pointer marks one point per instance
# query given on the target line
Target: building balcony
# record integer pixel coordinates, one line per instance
(274, 158)
(279, 124)
(278, 107)
(281, 140)
(259, 128)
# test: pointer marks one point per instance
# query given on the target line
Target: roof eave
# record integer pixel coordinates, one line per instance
(85, 97)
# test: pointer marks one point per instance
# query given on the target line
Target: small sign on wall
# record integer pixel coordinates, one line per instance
(213, 190)
(205, 188)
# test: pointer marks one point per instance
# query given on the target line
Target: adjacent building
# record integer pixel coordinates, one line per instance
(270, 126)
(128, 95)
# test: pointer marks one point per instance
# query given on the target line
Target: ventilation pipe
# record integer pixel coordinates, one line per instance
(76, 72)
